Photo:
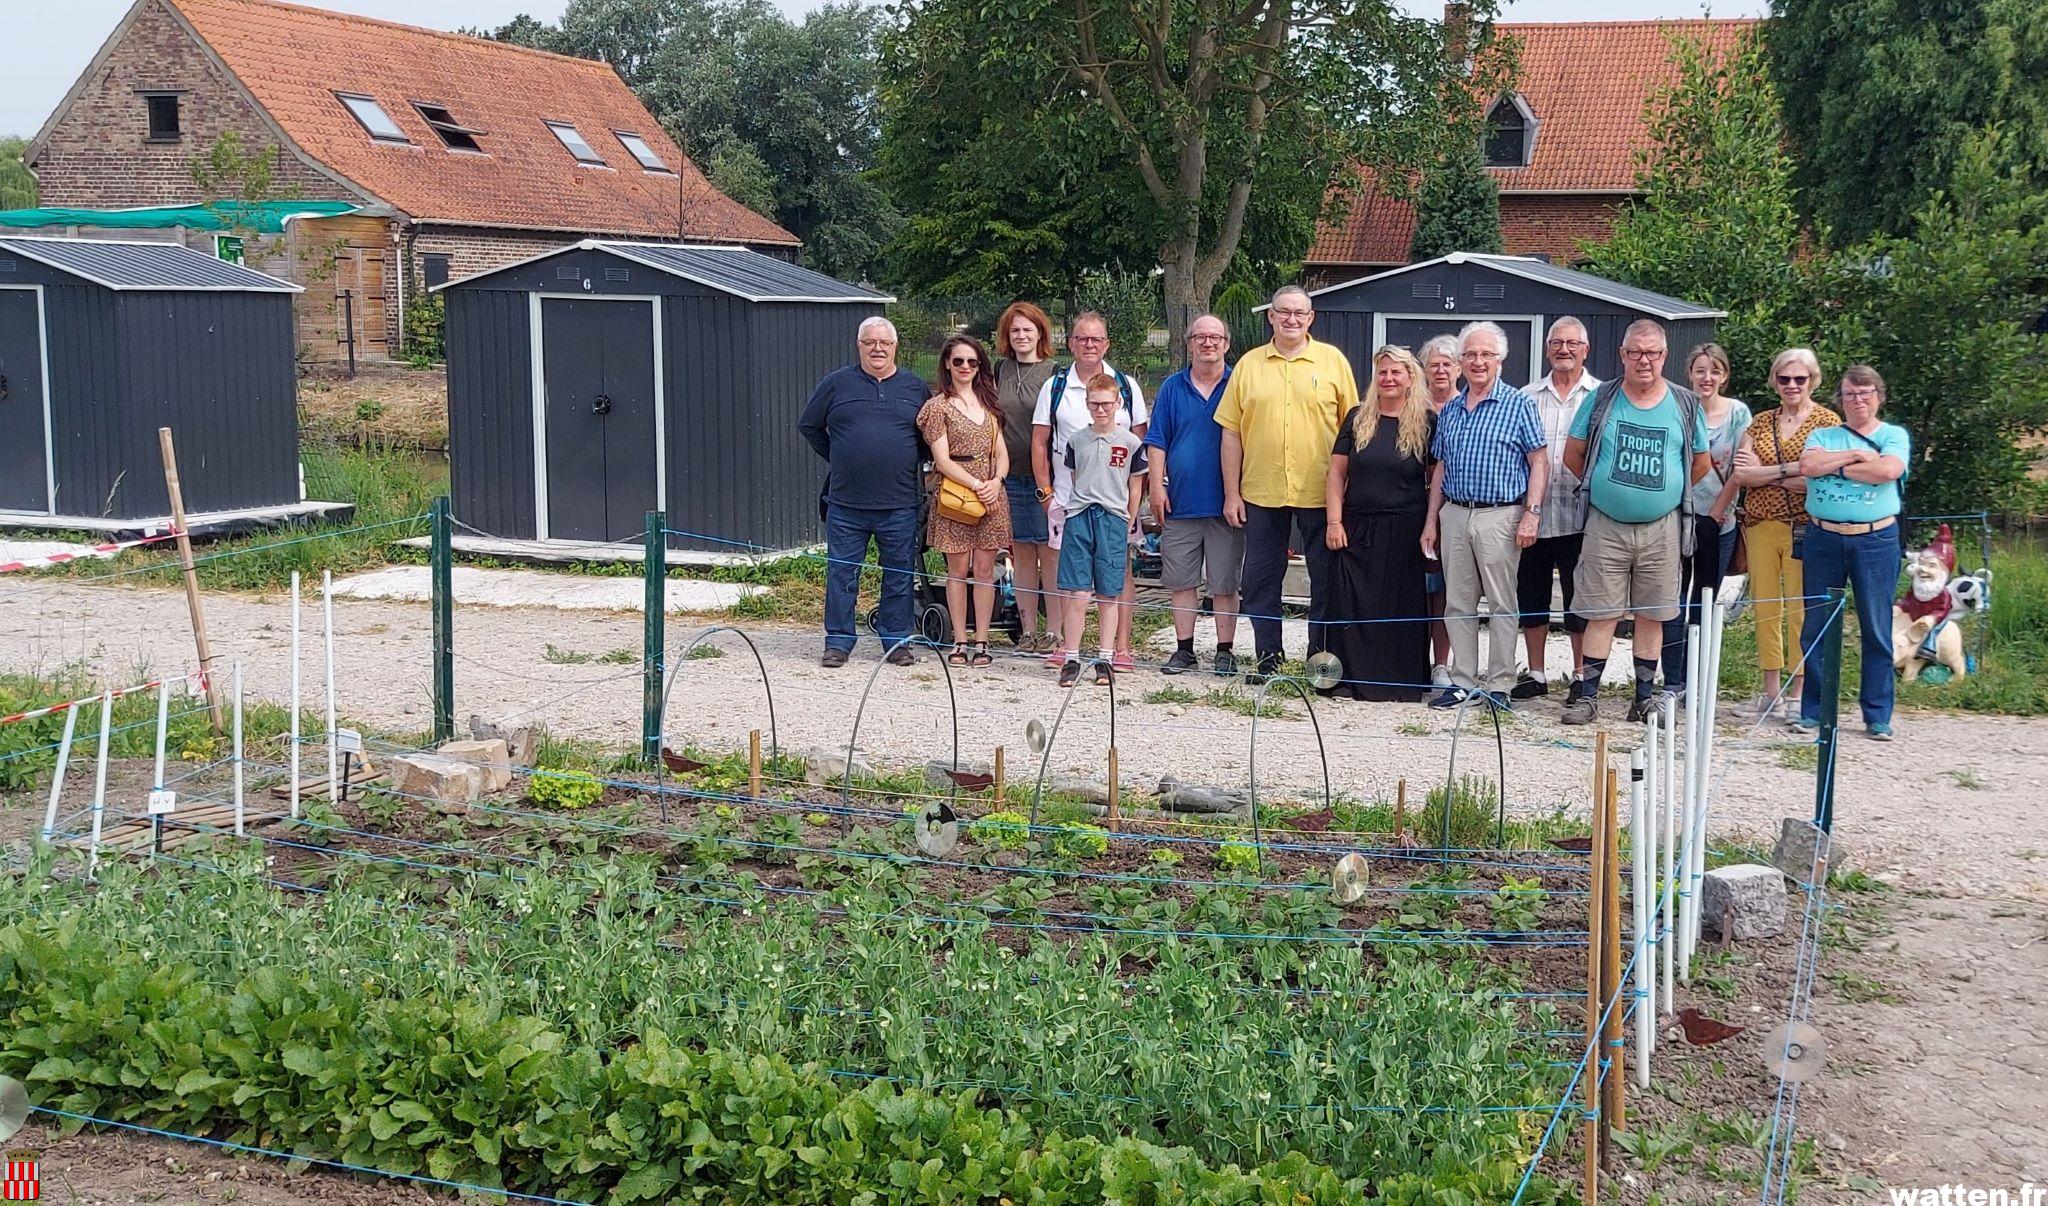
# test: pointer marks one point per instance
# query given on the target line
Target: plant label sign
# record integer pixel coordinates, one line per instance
(162, 800)
(348, 741)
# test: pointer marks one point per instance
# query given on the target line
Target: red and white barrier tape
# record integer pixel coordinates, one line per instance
(196, 678)
(98, 550)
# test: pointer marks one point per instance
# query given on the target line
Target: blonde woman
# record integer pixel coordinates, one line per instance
(1375, 498)
(1774, 518)
(1440, 375)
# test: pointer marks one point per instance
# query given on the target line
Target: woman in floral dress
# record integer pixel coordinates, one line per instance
(964, 426)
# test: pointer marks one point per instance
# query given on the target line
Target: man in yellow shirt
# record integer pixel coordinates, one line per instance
(1280, 415)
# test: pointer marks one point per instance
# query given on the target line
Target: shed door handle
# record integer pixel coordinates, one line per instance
(601, 404)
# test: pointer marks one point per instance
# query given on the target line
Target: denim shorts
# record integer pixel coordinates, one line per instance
(1027, 514)
(1094, 551)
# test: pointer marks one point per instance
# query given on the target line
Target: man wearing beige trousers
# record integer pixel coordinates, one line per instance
(1485, 503)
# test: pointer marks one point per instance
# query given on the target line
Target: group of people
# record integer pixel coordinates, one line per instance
(1442, 488)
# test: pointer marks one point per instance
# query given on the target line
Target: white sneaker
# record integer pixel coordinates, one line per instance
(1439, 676)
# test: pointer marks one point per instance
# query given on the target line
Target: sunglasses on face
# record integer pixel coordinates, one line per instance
(1793, 378)
(965, 362)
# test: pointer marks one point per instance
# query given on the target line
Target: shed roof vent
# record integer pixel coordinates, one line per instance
(1490, 292)
(568, 273)
(6, 265)
(1422, 290)
(618, 274)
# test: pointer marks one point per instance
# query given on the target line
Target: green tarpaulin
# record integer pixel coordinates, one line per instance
(263, 217)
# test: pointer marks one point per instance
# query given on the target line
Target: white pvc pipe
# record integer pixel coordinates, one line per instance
(1646, 877)
(1639, 860)
(1669, 832)
(99, 783)
(333, 750)
(163, 719)
(57, 780)
(1717, 620)
(238, 749)
(294, 754)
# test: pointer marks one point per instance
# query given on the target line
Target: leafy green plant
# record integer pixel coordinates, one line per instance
(1518, 905)
(1074, 839)
(1005, 830)
(1238, 859)
(1163, 857)
(568, 789)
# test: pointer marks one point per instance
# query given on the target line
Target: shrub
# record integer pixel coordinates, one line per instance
(564, 788)
(1076, 839)
(1004, 830)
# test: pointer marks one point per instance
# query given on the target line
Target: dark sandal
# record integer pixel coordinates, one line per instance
(981, 656)
(958, 657)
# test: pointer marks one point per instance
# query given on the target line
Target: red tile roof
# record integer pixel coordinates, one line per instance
(294, 59)
(1587, 83)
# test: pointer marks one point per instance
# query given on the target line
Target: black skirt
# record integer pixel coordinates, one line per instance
(1378, 609)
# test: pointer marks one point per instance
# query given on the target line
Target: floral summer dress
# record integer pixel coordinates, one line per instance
(972, 446)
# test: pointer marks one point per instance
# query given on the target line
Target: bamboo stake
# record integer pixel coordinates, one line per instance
(999, 777)
(177, 493)
(1400, 810)
(1615, 1110)
(1114, 826)
(1595, 903)
(754, 765)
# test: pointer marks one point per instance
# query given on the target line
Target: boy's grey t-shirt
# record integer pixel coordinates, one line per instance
(1101, 466)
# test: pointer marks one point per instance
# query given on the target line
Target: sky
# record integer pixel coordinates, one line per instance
(53, 40)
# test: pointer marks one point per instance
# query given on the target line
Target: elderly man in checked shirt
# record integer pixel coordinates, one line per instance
(1561, 531)
(1485, 507)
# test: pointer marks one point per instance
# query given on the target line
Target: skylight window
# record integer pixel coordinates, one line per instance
(454, 135)
(574, 143)
(638, 148)
(374, 118)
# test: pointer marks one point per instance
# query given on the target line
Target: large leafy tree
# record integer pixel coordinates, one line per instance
(17, 185)
(779, 114)
(1458, 206)
(1030, 138)
(1881, 96)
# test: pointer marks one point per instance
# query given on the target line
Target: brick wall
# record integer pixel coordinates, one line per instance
(1555, 226)
(100, 154)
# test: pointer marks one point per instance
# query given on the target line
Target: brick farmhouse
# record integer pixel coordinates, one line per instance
(1562, 146)
(459, 154)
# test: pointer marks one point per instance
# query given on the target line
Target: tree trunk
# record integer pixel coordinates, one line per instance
(1187, 283)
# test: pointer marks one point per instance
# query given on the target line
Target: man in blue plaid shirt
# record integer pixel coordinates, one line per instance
(1485, 504)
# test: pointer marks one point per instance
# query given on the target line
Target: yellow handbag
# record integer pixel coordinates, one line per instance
(959, 504)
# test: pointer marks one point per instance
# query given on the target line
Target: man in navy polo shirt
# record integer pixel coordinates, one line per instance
(1196, 544)
(863, 420)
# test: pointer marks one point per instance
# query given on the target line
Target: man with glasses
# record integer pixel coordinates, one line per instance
(1638, 444)
(863, 420)
(1279, 416)
(1485, 502)
(1196, 544)
(1559, 530)
(1062, 414)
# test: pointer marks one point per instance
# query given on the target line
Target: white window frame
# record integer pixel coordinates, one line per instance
(397, 136)
(652, 164)
(563, 131)
(1529, 124)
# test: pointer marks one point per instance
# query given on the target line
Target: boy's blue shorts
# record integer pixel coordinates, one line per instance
(1094, 551)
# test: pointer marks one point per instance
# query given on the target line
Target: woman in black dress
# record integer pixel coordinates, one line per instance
(1376, 498)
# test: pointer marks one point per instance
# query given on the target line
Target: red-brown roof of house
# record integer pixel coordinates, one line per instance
(294, 59)
(1587, 83)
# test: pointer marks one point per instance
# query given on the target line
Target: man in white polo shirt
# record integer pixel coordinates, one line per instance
(1555, 555)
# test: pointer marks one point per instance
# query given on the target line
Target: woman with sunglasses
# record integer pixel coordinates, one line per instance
(1376, 497)
(1774, 517)
(964, 427)
(1439, 359)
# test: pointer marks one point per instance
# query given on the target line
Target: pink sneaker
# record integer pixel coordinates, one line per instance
(1124, 661)
(1057, 658)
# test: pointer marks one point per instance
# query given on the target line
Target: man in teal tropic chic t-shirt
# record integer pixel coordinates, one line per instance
(1651, 446)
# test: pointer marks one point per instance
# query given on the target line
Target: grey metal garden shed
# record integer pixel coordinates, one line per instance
(1410, 305)
(103, 342)
(592, 384)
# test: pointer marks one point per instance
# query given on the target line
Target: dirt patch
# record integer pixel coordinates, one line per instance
(130, 1167)
(385, 405)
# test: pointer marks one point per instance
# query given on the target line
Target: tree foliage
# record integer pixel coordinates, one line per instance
(17, 185)
(779, 114)
(1881, 96)
(1458, 206)
(1031, 139)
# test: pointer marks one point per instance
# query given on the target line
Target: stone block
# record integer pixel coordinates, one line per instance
(828, 767)
(1797, 839)
(433, 779)
(492, 756)
(521, 740)
(1750, 895)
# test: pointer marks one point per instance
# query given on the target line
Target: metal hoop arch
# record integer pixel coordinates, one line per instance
(1045, 755)
(1500, 822)
(853, 738)
(668, 685)
(1252, 759)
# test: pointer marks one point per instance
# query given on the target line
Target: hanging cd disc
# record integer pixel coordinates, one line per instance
(1325, 670)
(1348, 879)
(938, 829)
(1795, 1051)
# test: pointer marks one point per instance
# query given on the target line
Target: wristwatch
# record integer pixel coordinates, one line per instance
(1535, 508)
(1045, 494)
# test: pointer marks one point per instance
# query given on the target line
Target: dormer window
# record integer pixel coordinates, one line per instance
(637, 147)
(1510, 133)
(573, 142)
(374, 119)
(454, 135)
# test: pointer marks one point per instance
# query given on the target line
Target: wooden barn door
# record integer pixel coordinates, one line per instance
(601, 448)
(24, 464)
(359, 273)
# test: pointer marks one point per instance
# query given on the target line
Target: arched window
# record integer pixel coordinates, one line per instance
(1510, 133)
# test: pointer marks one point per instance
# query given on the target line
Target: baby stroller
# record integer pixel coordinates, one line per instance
(929, 616)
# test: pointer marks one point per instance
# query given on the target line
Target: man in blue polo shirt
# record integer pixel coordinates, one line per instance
(1196, 544)
(863, 420)
(1485, 499)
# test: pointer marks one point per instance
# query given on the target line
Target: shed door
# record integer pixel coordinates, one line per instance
(598, 380)
(24, 467)
(1412, 333)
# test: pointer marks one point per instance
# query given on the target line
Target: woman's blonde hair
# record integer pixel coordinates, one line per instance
(1412, 438)
(1803, 356)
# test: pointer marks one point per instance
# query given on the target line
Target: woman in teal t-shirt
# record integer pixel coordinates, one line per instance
(1853, 474)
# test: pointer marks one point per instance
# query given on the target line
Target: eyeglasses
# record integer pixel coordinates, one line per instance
(1094, 405)
(965, 362)
(878, 343)
(1793, 378)
(1277, 313)
(1088, 339)
(1481, 357)
(1563, 344)
(1208, 339)
(1866, 394)
(1641, 354)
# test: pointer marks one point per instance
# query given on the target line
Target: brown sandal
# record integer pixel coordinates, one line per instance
(981, 656)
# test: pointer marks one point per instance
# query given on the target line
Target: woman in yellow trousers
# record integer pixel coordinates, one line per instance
(1773, 517)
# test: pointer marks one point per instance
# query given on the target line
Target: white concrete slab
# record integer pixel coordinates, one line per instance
(31, 550)
(537, 588)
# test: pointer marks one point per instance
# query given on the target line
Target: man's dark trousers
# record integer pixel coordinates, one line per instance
(1266, 530)
(847, 532)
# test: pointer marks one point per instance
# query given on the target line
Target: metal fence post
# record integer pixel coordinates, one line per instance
(654, 570)
(441, 559)
(1830, 688)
